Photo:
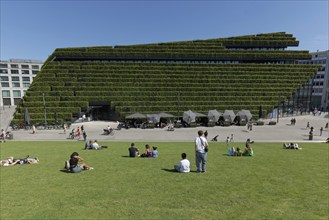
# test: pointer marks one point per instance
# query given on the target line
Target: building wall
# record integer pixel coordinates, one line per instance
(320, 93)
(16, 76)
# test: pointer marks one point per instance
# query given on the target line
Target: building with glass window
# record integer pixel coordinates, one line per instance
(320, 89)
(16, 75)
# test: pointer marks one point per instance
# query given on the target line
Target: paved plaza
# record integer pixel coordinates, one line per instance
(281, 132)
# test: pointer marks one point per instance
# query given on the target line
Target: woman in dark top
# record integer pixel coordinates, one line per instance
(75, 167)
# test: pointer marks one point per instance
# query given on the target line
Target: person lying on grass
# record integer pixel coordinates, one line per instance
(234, 152)
(291, 146)
(10, 161)
(74, 166)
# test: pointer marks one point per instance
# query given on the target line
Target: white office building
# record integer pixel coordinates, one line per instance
(16, 75)
(320, 93)
(320, 87)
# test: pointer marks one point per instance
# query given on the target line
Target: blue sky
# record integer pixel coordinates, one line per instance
(34, 29)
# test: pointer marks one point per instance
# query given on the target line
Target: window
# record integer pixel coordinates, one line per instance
(25, 71)
(14, 78)
(25, 67)
(26, 84)
(3, 71)
(4, 78)
(35, 67)
(3, 65)
(34, 72)
(16, 93)
(24, 92)
(26, 79)
(5, 84)
(5, 93)
(14, 66)
(16, 84)
(14, 71)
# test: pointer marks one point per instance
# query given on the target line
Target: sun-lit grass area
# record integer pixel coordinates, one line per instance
(273, 184)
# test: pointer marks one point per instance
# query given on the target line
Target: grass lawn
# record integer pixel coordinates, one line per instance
(273, 184)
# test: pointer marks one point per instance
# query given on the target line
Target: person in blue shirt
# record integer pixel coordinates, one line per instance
(155, 152)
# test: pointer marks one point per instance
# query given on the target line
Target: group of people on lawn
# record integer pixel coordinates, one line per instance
(75, 165)
(134, 152)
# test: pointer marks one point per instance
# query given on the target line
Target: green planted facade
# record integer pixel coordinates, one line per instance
(234, 73)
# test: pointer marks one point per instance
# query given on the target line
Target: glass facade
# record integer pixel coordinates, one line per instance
(15, 78)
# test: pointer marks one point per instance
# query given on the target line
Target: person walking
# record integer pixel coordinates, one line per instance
(321, 130)
(201, 149)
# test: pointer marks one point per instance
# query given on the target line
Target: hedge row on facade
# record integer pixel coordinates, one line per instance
(50, 110)
(72, 66)
(230, 55)
(141, 85)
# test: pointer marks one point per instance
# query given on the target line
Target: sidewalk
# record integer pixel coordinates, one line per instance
(282, 132)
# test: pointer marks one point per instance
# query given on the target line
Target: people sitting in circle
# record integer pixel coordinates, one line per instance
(10, 161)
(155, 152)
(291, 146)
(248, 151)
(148, 151)
(74, 163)
(183, 165)
(133, 151)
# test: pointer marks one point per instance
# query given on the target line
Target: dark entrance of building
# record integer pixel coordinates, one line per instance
(101, 111)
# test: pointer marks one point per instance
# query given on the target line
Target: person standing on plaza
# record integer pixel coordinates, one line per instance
(3, 135)
(201, 149)
(84, 135)
(231, 139)
(321, 130)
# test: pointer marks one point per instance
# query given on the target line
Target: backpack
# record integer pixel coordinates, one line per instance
(67, 165)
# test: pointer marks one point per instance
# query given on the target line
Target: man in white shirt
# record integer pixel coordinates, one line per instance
(95, 145)
(201, 149)
(184, 165)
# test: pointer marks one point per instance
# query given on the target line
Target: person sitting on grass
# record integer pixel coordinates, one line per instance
(231, 151)
(148, 151)
(133, 151)
(95, 145)
(183, 165)
(88, 145)
(155, 152)
(75, 167)
(248, 151)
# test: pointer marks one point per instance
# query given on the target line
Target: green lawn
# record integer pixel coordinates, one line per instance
(273, 184)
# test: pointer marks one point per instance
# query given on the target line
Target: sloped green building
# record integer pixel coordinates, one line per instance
(244, 72)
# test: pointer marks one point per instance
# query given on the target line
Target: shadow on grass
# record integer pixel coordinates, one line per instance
(64, 171)
(174, 171)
